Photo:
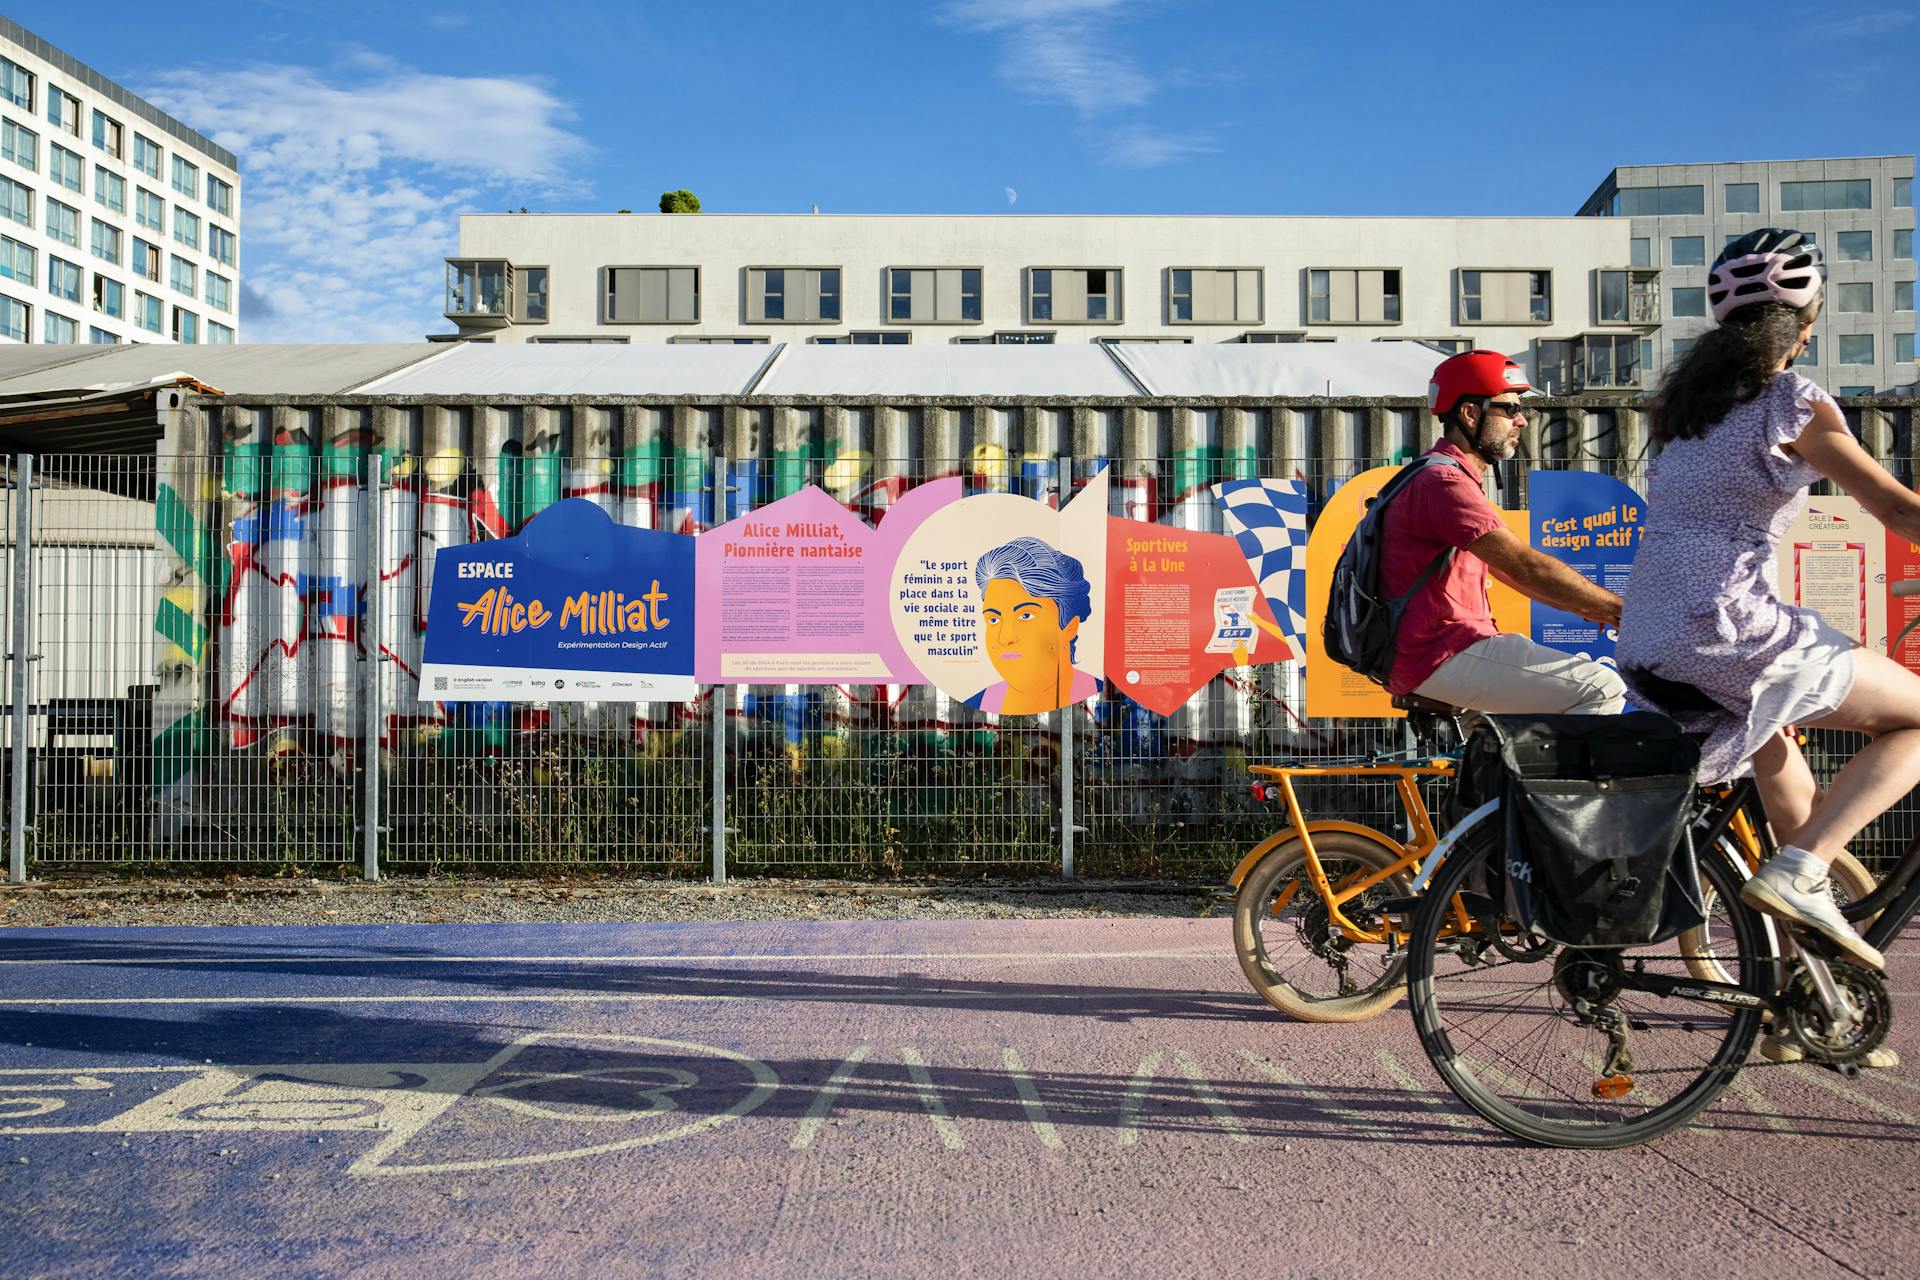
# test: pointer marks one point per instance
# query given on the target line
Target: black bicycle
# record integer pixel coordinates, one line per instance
(1607, 1047)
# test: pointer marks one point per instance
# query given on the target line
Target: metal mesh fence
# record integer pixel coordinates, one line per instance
(225, 640)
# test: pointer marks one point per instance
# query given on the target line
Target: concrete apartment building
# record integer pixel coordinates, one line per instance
(118, 223)
(1861, 212)
(1509, 283)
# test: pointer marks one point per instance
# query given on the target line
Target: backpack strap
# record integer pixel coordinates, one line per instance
(1445, 558)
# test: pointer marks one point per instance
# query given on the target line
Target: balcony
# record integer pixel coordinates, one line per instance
(1588, 363)
(1629, 296)
(480, 291)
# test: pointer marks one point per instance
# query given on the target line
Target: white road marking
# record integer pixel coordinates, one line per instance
(1366, 1124)
(742, 958)
(1136, 1098)
(1030, 1100)
(1825, 1080)
(823, 1101)
(1203, 1090)
(1429, 1099)
(931, 1100)
(1744, 1090)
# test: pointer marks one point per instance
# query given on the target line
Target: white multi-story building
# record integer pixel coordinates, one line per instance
(118, 223)
(1506, 283)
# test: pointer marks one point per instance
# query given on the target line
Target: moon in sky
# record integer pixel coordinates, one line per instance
(1013, 196)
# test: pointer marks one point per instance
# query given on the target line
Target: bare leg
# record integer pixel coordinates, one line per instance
(1786, 784)
(1884, 703)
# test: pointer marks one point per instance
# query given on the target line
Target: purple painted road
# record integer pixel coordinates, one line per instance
(1034, 1098)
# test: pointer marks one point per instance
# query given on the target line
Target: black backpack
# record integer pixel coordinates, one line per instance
(1362, 624)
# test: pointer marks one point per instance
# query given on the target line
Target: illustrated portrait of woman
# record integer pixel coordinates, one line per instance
(1033, 601)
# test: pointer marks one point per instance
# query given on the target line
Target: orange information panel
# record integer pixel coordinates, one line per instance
(1334, 690)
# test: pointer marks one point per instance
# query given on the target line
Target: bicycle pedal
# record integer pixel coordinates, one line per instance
(1609, 1088)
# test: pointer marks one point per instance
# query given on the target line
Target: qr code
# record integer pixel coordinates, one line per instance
(439, 684)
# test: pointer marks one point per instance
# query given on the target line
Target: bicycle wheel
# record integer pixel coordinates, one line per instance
(1501, 1026)
(1290, 953)
(1703, 946)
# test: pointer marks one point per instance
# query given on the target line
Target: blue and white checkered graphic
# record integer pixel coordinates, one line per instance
(1268, 518)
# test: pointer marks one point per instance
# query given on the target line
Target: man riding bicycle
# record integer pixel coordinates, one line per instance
(1450, 651)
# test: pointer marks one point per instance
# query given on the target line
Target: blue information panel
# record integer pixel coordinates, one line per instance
(1590, 523)
(575, 608)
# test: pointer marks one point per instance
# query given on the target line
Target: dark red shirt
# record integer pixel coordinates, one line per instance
(1441, 507)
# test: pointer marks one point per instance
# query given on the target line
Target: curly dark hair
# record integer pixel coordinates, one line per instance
(1727, 366)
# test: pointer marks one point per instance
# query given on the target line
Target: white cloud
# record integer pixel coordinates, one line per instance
(1143, 147)
(1873, 23)
(1059, 50)
(352, 180)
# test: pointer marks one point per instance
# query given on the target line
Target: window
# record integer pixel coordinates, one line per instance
(532, 282)
(109, 296)
(478, 287)
(1689, 302)
(1743, 197)
(1903, 295)
(15, 318)
(185, 277)
(63, 110)
(1651, 202)
(186, 325)
(19, 261)
(16, 84)
(1903, 193)
(186, 227)
(1214, 295)
(1903, 245)
(16, 202)
(1641, 252)
(108, 135)
(65, 167)
(860, 338)
(1853, 246)
(20, 145)
(149, 210)
(220, 247)
(101, 338)
(933, 295)
(1599, 361)
(146, 259)
(1856, 348)
(1856, 391)
(1836, 193)
(59, 329)
(1688, 251)
(219, 334)
(652, 295)
(219, 292)
(109, 189)
(63, 278)
(219, 195)
(1505, 297)
(1628, 297)
(146, 155)
(1114, 340)
(1903, 348)
(794, 295)
(63, 223)
(1024, 338)
(716, 340)
(1810, 356)
(106, 241)
(186, 176)
(148, 312)
(1353, 297)
(1073, 295)
(1853, 299)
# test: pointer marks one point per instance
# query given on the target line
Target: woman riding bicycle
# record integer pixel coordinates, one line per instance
(1704, 634)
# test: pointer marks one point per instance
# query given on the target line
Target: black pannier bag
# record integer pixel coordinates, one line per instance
(1596, 849)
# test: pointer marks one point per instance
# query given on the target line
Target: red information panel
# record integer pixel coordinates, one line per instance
(1903, 565)
(1181, 608)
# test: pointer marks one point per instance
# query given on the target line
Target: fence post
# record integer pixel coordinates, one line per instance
(22, 638)
(720, 700)
(373, 665)
(1063, 469)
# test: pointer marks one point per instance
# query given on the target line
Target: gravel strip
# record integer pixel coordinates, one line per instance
(239, 900)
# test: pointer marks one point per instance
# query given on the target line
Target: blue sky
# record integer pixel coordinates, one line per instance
(365, 127)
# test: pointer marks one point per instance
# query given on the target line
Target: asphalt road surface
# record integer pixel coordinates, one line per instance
(1030, 1098)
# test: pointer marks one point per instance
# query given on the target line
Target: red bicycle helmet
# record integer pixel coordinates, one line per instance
(1473, 373)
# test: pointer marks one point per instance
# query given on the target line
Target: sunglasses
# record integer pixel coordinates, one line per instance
(1510, 408)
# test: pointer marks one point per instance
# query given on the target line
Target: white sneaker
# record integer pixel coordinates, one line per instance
(1781, 1049)
(1807, 901)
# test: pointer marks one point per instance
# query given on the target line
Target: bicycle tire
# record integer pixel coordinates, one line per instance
(1851, 881)
(1606, 1122)
(1286, 864)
